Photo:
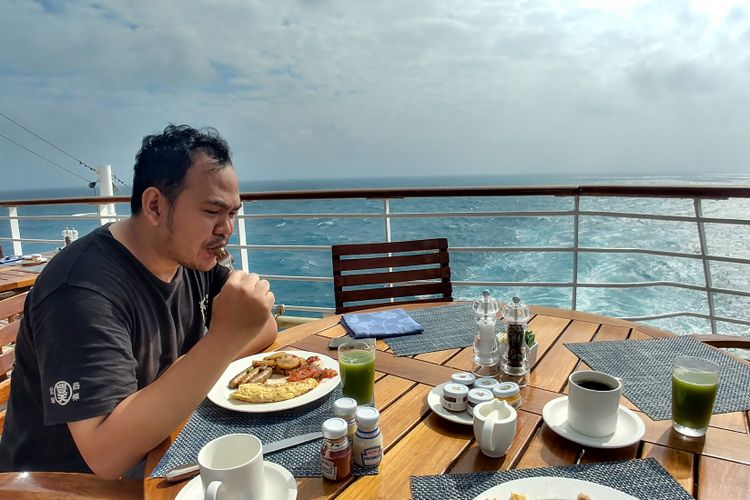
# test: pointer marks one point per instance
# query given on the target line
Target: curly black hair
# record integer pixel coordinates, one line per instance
(164, 158)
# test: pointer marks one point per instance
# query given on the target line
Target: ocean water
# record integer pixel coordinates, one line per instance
(724, 240)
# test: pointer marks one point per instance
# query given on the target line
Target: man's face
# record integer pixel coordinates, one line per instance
(202, 217)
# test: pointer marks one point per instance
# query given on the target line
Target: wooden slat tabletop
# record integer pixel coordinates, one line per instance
(17, 278)
(418, 442)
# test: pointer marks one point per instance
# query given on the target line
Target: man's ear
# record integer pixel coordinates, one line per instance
(152, 205)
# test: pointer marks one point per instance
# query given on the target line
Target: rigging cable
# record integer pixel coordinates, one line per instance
(43, 158)
(80, 162)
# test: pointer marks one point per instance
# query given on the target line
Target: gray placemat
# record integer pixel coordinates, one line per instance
(644, 479)
(645, 367)
(210, 421)
(445, 327)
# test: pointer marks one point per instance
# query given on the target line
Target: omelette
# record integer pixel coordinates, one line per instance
(271, 393)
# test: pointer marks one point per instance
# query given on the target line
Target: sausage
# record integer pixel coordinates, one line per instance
(260, 377)
(242, 377)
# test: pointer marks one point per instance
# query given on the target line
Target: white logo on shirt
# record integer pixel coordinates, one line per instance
(203, 305)
(63, 393)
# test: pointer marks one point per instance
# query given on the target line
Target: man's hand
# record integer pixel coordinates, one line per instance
(242, 309)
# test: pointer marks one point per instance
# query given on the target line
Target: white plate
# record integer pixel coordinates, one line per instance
(433, 399)
(552, 487)
(219, 394)
(629, 428)
(280, 485)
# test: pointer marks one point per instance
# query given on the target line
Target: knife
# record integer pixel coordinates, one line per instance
(185, 471)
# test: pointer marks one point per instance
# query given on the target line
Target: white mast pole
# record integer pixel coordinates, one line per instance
(104, 176)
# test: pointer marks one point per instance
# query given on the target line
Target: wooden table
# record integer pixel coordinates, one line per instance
(418, 442)
(17, 278)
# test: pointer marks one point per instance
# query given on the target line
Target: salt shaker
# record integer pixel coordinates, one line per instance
(515, 315)
(486, 349)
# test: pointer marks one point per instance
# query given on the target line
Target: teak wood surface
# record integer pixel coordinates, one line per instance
(16, 278)
(418, 442)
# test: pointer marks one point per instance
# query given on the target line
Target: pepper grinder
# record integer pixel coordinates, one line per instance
(515, 315)
(486, 360)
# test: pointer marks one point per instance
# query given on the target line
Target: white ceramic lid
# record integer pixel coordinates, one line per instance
(344, 407)
(335, 428)
(367, 416)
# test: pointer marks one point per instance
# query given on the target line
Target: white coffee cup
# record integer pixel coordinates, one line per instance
(494, 427)
(232, 468)
(593, 403)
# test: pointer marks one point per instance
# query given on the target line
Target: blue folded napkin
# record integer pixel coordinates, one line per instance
(390, 323)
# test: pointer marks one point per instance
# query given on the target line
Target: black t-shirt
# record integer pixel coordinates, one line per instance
(97, 327)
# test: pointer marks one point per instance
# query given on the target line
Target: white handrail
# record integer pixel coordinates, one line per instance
(575, 249)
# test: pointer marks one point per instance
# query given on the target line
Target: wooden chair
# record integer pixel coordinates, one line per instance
(370, 275)
(10, 310)
(724, 341)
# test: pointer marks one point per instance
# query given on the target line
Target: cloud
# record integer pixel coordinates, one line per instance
(304, 89)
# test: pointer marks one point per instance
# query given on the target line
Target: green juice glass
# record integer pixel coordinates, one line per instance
(357, 370)
(694, 385)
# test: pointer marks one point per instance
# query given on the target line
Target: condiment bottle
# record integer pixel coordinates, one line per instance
(336, 452)
(485, 362)
(477, 396)
(454, 397)
(346, 408)
(508, 392)
(368, 442)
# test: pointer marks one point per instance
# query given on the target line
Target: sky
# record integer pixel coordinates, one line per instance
(349, 89)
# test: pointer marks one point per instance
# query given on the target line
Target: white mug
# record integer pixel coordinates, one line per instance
(593, 403)
(494, 427)
(232, 468)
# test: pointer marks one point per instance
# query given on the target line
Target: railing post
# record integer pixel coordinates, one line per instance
(15, 230)
(706, 264)
(242, 237)
(387, 211)
(104, 177)
(576, 222)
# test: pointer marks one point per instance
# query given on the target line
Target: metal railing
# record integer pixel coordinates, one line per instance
(697, 194)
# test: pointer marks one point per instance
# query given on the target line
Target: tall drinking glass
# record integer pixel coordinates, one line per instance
(357, 369)
(694, 385)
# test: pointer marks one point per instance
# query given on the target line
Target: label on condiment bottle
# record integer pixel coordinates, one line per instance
(336, 461)
(371, 456)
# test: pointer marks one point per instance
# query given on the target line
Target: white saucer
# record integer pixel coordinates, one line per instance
(629, 428)
(280, 485)
(433, 399)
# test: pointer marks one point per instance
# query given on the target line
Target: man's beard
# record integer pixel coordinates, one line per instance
(175, 255)
(170, 241)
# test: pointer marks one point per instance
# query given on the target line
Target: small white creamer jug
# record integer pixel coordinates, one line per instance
(494, 427)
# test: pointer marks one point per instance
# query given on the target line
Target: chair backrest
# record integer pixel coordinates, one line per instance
(723, 341)
(10, 309)
(371, 275)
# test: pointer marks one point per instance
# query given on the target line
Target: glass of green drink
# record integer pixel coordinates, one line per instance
(357, 369)
(694, 385)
